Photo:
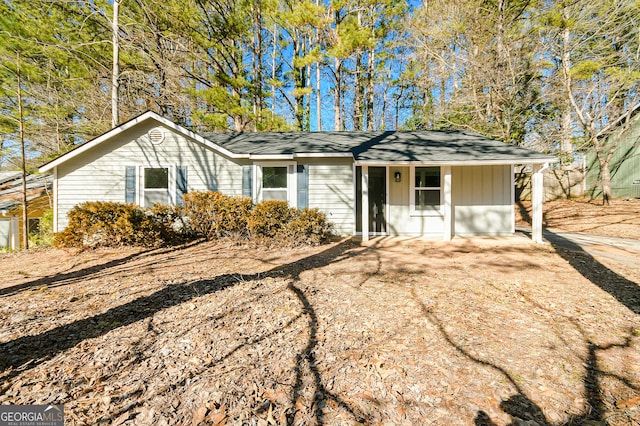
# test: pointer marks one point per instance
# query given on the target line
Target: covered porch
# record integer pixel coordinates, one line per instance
(441, 200)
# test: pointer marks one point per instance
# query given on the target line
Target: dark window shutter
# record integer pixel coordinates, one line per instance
(247, 180)
(130, 185)
(303, 186)
(181, 183)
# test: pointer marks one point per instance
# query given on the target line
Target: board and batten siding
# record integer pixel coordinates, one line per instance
(99, 174)
(401, 221)
(482, 199)
(331, 191)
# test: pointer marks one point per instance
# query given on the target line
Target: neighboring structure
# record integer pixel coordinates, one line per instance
(38, 201)
(625, 162)
(411, 183)
(559, 181)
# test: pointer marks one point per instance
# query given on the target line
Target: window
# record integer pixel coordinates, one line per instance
(426, 190)
(156, 186)
(274, 183)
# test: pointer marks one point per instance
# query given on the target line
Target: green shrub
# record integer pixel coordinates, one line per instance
(44, 237)
(214, 215)
(109, 224)
(268, 218)
(306, 227)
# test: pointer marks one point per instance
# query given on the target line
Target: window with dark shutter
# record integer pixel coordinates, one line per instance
(303, 186)
(130, 185)
(181, 184)
(247, 181)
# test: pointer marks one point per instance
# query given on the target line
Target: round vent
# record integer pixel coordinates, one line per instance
(156, 135)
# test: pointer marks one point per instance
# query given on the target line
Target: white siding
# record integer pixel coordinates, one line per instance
(99, 174)
(331, 191)
(401, 221)
(482, 200)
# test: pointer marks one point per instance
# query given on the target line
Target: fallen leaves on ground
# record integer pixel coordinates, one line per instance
(621, 219)
(476, 331)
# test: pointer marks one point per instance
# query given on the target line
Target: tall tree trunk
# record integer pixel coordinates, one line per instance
(240, 120)
(358, 100)
(443, 88)
(497, 96)
(300, 78)
(25, 212)
(318, 98)
(273, 71)
(396, 118)
(318, 82)
(385, 99)
(370, 88)
(358, 95)
(605, 173)
(338, 124)
(307, 109)
(257, 64)
(565, 136)
(115, 75)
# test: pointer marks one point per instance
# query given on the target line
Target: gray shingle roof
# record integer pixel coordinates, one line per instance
(392, 146)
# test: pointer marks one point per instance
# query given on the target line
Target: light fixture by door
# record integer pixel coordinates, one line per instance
(397, 176)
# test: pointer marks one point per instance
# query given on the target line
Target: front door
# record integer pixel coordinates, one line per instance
(377, 200)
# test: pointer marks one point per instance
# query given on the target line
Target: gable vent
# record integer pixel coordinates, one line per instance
(156, 136)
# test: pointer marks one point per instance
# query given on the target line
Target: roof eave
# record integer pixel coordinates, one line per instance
(271, 156)
(511, 161)
(296, 155)
(325, 155)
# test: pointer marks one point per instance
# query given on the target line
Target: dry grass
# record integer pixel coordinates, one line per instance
(622, 219)
(478, 331)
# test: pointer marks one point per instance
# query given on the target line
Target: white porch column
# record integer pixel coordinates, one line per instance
(448, 208)
(537, 198)
(365, 203)
(14, 241)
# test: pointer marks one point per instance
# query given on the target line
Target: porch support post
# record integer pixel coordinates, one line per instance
(365, 203)
(448, 209)
(537, 198)
(14, 226)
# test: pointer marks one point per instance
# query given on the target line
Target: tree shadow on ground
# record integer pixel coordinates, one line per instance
(520, 407)
(306, 363)
(624, 290)
(306, 360)
(25, 353)
(65, 278)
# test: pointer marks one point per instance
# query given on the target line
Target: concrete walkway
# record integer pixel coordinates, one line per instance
(621, 250)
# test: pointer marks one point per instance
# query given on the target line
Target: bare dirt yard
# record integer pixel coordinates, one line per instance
(477, 331)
